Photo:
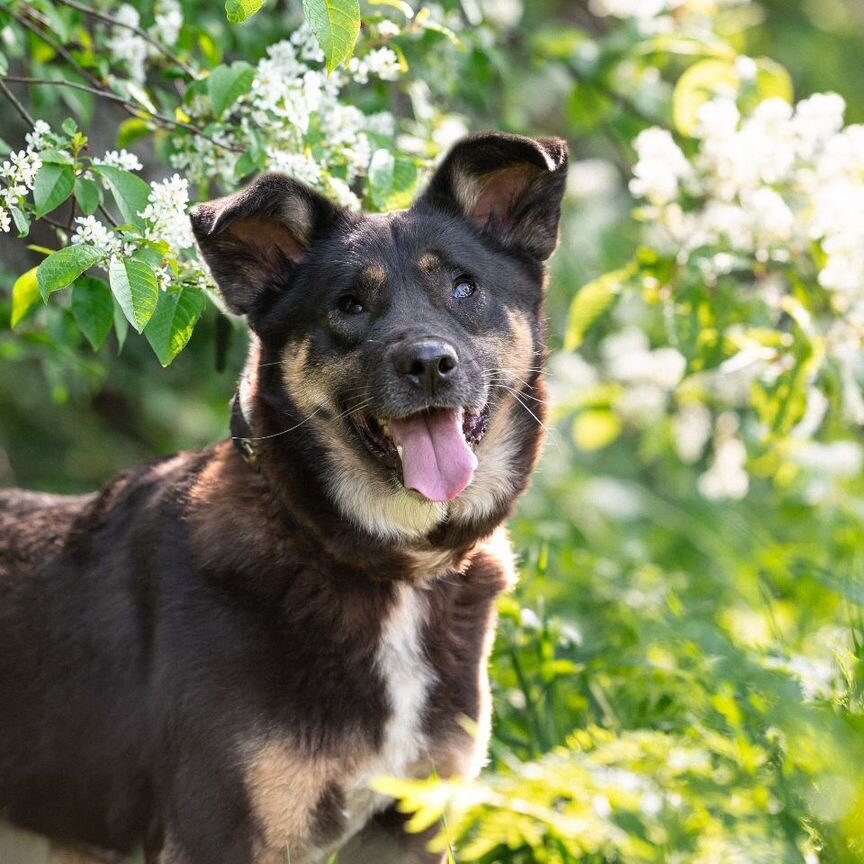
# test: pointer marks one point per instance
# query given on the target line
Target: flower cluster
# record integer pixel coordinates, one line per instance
(131, 49)
(768, 186)
(18, 174)
(296, 108)
(772, 192)
(645, 10)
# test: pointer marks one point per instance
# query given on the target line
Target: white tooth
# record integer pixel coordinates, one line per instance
(400, 450)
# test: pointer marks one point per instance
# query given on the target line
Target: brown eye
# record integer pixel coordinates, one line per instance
(350, 305)
(463, 288)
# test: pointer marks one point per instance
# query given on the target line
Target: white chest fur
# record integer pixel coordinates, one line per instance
(408, 679)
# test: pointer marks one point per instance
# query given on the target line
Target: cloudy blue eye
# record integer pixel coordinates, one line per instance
(463, 288)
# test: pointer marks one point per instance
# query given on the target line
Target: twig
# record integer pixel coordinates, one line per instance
(107, 19)
(40, 34)
(113, 97)
(22, 111)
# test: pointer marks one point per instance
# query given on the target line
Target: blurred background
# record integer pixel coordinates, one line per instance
(678, 677)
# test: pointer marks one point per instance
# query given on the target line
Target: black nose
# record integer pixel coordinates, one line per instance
(426, 363)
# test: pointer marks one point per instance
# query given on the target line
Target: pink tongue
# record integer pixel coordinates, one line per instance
(436, 459)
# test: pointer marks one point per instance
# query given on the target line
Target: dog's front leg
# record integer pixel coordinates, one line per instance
(384, 840)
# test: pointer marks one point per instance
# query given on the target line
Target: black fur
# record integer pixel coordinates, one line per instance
(157, 637)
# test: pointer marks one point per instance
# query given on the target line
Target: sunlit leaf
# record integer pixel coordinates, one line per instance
(25, 295)
(134, 286)
(63, 267)
(336, 25)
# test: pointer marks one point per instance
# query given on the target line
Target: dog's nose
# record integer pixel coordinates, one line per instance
(426, 363)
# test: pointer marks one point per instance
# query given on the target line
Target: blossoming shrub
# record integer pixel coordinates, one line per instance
(679, 676)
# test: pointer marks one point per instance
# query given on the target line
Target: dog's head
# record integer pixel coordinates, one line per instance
(402, 351)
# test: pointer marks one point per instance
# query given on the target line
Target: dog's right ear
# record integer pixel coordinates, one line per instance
(253, 240)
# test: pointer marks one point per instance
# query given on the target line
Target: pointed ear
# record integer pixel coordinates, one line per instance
(510, 187)
(252, 241)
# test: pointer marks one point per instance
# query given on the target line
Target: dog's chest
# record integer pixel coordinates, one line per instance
(408, 679)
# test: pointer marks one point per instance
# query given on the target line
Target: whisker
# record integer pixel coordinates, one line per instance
(305, 420)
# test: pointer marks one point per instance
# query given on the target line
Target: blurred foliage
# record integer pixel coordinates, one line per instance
(679, 676)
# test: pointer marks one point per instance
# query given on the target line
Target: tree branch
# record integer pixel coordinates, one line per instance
(113, 97)
(138, 31)
(22, 111)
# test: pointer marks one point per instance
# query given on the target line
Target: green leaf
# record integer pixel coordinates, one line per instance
(336, 25)
(591, 302)
(134, 285)
(21, 220)
(172, 323)
(130, 192)
(700, 84)
(121, 326)
(25, 295)
(63, 267)
(93, 309)
(88, 194)
(54, 184)
(392, 182)
(228, 83)
(239, 11)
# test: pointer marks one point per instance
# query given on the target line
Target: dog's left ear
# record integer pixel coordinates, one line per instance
(510, 187)
(253, 241)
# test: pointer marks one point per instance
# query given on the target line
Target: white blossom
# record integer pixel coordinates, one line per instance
(726, 476)
(36, 139)
(301, 166)
(120, 159)
(165, 214)
(5, 220)
(660, 169)
(89, 231)
(126, 46)
(692, 430)
(168, 23)
(384, 63)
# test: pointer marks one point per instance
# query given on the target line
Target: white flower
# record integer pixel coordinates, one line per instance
(301, 166)
(726, 478)
(837, 459)
(165, 214)
(817, 119)
(169, 22)
(340, 190)
(126, 46)
(384, 63)
(36, 139)
(630, 8)
(5, 220)
(691, 429)
(120, 159)
(661, 167)
(90, 231)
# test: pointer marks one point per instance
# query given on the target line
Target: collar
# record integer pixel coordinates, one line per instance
(241, 434)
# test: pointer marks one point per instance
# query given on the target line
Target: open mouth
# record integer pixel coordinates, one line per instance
(433, 449)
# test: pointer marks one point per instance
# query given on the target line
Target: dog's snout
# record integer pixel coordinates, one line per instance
(426, 363)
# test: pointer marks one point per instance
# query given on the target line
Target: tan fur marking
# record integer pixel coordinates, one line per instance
(375, 274)
(492, 484)
(283, 789)
(429, 262)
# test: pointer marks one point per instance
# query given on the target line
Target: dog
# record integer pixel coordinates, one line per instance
(212, 658)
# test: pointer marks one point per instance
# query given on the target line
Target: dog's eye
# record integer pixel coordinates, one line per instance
(463, 288)
(350, 305)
